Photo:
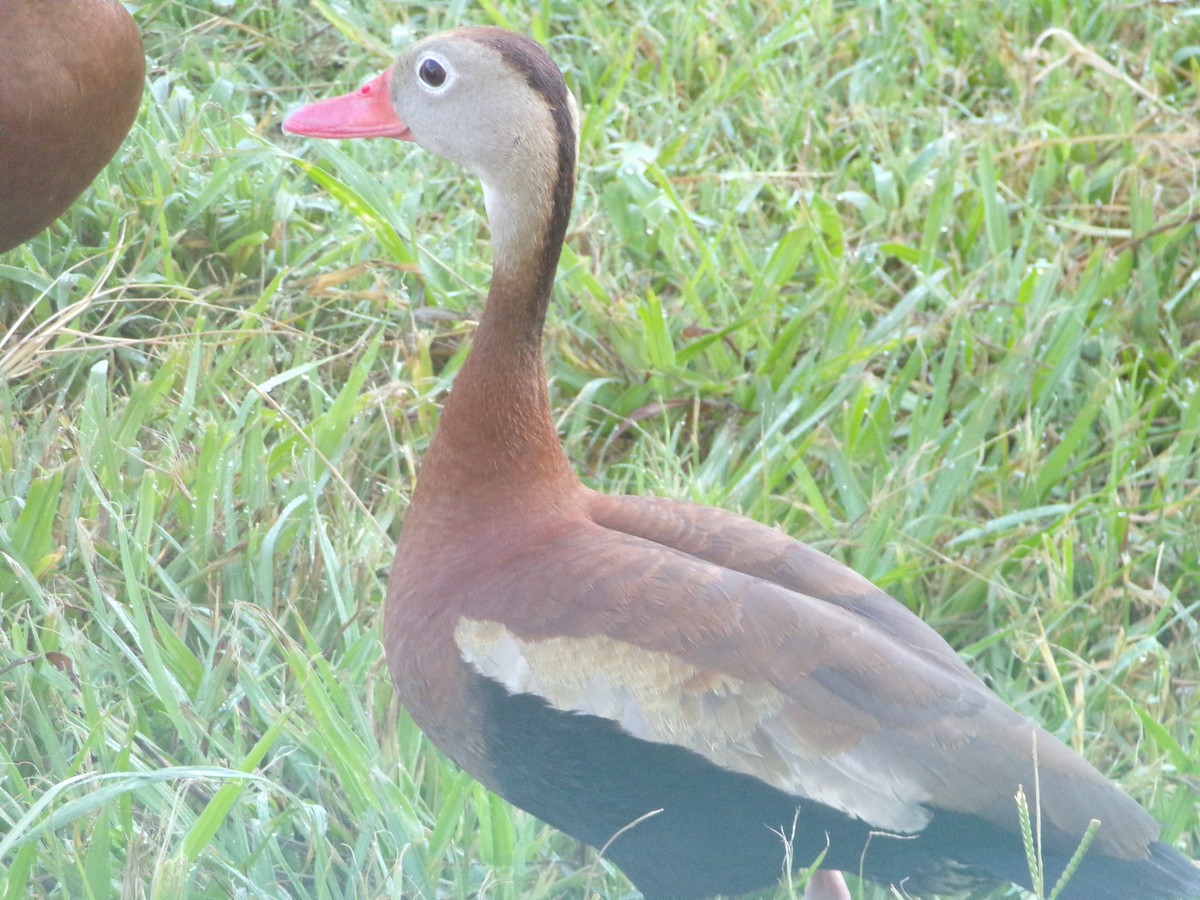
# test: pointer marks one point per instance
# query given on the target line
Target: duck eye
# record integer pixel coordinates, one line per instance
(431, 72)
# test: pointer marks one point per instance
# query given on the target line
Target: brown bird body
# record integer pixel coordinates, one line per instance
(71, 75)
(683, 673)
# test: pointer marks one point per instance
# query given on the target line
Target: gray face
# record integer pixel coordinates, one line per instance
(466, 103)
(494, 103)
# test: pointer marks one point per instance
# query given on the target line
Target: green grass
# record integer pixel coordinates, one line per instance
(915, 282)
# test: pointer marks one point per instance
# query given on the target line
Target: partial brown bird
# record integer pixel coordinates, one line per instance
(71, 76)
(680, 684)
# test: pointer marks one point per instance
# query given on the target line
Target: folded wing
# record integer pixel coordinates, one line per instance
(702, 629)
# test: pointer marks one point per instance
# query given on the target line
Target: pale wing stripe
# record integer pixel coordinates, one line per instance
(745, 727)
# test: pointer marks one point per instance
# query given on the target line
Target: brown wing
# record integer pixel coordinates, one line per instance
(700, 628)
(743, 545)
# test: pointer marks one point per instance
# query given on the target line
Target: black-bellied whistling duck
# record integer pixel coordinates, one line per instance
(71, 75)
(680, 681)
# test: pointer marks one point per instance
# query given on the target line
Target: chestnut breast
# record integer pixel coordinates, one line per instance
(71, 76)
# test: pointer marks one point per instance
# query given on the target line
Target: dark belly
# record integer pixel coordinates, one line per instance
(714, 831)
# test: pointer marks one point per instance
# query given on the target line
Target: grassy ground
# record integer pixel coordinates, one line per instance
(916, 282)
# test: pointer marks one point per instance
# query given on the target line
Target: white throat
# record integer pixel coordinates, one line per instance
(518, 224)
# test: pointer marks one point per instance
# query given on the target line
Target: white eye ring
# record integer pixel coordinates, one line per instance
(434, 73)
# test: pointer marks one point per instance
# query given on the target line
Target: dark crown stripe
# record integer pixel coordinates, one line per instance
(527, 57)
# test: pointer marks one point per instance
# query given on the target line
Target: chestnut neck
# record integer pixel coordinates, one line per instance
(496, 444)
